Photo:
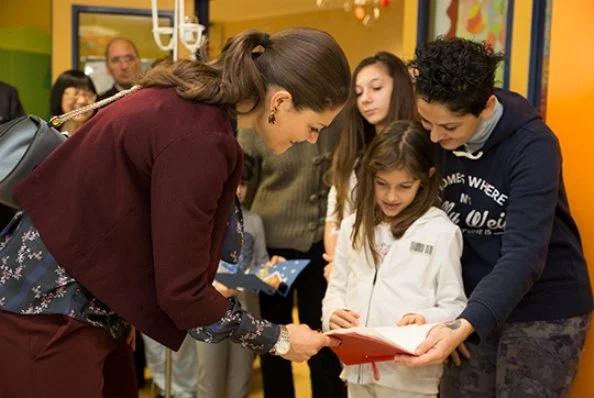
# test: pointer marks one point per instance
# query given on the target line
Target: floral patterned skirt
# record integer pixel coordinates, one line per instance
(32, 282)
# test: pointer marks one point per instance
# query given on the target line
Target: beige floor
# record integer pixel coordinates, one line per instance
(300, 376)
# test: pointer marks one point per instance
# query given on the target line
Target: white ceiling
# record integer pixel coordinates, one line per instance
(239, 10)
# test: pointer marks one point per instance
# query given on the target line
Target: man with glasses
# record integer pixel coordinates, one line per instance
(123, 64)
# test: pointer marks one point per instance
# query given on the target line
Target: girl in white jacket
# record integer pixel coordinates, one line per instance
(397, 259)
(381, 92)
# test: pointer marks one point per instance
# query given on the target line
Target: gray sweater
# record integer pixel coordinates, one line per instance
(288, 191)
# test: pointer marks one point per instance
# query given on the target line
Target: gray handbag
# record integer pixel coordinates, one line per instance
(26, 141)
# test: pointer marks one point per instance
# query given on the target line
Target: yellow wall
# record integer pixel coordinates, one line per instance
(31, 13)
(62, 25)
(409, 28)
(358, 41)
(520, 51)
(570, 99)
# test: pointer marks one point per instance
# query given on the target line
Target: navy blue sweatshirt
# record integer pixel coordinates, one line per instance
(522, 258)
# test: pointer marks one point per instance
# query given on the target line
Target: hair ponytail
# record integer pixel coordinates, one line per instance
(241, 76)
(308, 63)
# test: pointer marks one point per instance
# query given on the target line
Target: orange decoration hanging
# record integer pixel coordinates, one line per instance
(359, 13)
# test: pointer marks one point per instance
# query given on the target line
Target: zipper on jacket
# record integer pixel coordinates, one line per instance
(371, 296)
(368, 310)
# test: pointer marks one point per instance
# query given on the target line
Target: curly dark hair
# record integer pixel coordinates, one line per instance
(457, 73)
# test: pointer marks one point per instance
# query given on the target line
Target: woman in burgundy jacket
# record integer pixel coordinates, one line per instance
(124, 223)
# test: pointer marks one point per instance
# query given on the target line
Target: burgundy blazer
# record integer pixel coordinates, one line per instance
(134, 207)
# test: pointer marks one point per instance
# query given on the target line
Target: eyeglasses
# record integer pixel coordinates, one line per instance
(122, 58)
(74, 94)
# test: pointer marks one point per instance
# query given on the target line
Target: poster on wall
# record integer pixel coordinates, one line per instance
(487, 21)
(96, 26)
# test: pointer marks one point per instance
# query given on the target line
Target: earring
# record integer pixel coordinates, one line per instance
(272, 117)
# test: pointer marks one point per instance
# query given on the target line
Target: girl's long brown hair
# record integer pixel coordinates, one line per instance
(308, 63)
(403, 145)
(358, 132)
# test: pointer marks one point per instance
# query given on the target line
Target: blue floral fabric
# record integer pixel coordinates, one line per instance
(32, 282)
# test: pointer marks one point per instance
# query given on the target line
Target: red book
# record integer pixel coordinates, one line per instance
(377, 344)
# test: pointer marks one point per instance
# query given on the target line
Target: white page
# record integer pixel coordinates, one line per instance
(408, 337)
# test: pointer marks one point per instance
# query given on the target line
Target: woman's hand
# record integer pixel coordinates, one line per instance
(306, 343)
(131, 338)
(440, 343)
(224, 290)
(344, 319)
(409, 319)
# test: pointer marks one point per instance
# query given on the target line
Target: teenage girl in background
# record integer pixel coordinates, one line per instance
(381, 93)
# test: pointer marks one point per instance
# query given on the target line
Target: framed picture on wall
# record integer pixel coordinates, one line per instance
(487, 21)
(94, 27)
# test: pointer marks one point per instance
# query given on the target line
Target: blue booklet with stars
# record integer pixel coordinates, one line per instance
(267, 278)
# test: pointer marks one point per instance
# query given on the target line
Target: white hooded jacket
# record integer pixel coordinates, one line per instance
(420, 273)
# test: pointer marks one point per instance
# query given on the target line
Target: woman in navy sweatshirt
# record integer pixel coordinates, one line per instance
(530, 299)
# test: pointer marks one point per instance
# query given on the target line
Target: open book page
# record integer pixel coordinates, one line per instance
(406, 337)
(374, 344)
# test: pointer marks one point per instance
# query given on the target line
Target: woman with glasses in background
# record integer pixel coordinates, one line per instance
(72, 90)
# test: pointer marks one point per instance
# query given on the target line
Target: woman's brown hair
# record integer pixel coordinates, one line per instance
(358, 132)
(308, 63)
(403, 145)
